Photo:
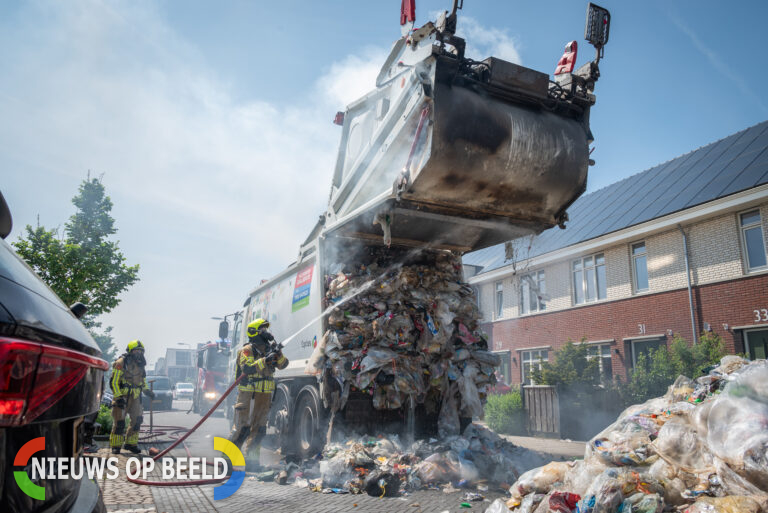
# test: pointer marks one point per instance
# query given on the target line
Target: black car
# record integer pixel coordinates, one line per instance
(51, 375)
(163, 400)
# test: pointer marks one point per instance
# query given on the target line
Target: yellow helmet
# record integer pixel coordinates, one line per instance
(134, 344)
(255, 326)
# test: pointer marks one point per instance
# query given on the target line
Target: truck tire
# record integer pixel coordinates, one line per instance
(308, 422)
(280, 416)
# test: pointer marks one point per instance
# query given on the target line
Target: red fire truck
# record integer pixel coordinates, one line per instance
(212, 360)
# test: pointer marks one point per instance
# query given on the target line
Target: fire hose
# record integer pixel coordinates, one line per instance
(176, 429)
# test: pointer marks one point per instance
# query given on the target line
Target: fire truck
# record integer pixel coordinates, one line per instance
(211, 382)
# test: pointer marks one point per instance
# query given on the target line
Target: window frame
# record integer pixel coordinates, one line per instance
(743, 239)
(540, 278)
(601, 359)
(584, 286)
(538, 361)
(662, 339)
(498, 299)
(633, 258)
(506, 358)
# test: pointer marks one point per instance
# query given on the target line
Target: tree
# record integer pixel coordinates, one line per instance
(84, 265)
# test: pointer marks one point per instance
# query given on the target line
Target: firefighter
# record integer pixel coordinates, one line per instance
(258, 361)
(127, 383)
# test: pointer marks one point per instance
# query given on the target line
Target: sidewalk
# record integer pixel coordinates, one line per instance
(564, 448)
(122, 496)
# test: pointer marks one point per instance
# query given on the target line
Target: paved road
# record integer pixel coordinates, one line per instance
(257, 496)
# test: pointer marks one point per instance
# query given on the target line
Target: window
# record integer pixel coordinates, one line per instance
(532, 291)
(644, 347)
(499, 299)
(603, 354)
(640, 267)
(476, 292)
(505, 367)
(589, 283)
(183, 358)
(532, 360)
(752, 240)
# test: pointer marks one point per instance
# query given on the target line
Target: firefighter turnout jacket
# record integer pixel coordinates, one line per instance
(128, 378)
(259, 375)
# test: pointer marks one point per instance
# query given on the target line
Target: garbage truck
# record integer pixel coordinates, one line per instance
(446, 154)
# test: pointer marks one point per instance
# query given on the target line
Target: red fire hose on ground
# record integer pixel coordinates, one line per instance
(173, 430)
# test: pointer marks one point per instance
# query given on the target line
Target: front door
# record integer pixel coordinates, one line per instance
(757, 344)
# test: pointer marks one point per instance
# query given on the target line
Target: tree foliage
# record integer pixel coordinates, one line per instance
(654, 373)
(84, 265)
(570, 367)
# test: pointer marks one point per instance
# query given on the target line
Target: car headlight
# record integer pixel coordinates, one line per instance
(210, 395)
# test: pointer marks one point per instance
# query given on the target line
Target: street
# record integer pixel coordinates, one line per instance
(122, 496)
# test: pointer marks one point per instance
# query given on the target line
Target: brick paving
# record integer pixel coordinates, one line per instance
(257, 496)
(121, 496)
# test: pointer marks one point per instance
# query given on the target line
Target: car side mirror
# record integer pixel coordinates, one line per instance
(6, 221)
(223, 329)
(78, 309)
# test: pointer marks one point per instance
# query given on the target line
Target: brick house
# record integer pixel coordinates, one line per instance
(618, 276)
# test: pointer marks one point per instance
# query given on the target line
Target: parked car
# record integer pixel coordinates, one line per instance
(107, 398)
(163, 400)
(183, 391)
(52, 378)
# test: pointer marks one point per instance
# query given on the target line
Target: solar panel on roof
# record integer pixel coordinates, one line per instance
(732, 164)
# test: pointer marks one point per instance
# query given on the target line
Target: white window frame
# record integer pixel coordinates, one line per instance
(634, 258)
(742, 236)
(498, 303)
(533, 360)
(601, 357)
(540, 279)
(584, 278)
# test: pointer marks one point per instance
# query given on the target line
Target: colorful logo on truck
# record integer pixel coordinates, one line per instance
(301, 289)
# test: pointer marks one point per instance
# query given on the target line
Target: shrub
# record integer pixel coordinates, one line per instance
(655, 372)
(504, 413)
(104, 418)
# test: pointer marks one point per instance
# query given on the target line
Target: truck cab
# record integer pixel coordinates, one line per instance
(212, 378)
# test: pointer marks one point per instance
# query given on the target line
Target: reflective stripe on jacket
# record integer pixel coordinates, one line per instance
(127, 378)
(261, 380)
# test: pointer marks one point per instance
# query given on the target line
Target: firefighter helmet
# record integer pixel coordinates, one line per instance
(255, 326)
(134, 344)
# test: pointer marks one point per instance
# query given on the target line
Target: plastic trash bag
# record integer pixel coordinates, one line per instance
(448, 423)
(498, 506)
(642, 503)
(732, 504)
(316, 362)
(539, 480)
(471, 404)
(563, 502)
(604, 495)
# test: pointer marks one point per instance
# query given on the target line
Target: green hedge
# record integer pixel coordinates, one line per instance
(105, 419)
(504, 413)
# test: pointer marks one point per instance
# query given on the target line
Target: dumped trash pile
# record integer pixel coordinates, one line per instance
(406, 333)
(385, 466)
(703, 447)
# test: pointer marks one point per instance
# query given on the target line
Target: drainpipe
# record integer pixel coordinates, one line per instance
(688, 276)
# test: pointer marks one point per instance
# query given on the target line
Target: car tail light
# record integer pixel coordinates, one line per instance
(34, 376)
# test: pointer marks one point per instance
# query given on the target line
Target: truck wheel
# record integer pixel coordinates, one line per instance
(280, 419)
(307, 423)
